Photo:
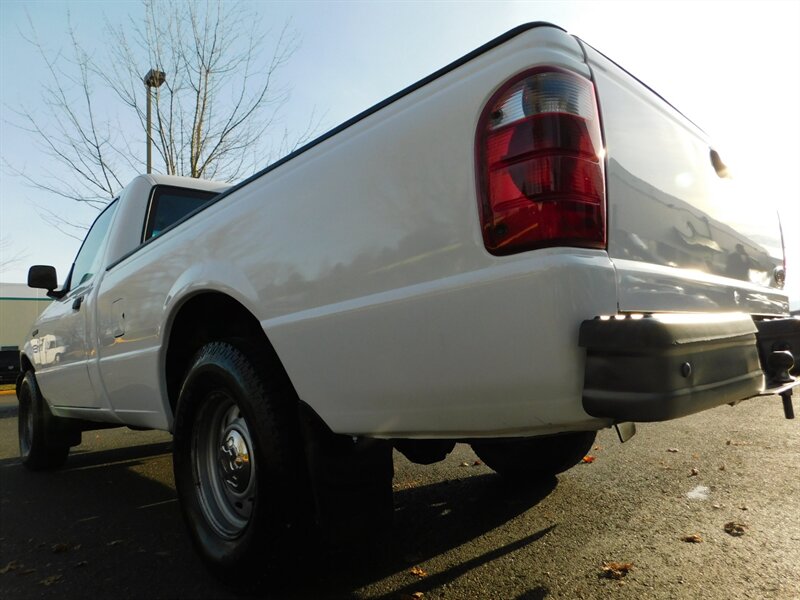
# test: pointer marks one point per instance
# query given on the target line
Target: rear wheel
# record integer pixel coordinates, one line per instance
(237, 460)
(527, 459)
(43, 443)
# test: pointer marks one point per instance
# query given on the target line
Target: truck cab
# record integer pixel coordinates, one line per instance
(62, 347)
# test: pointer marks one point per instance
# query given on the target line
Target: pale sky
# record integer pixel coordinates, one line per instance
(731, 67)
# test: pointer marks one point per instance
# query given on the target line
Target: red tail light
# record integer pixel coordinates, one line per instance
(540, 165)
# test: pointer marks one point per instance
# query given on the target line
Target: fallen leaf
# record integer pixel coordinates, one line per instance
(694, 473)
(51, 579)
(464, 464)
(598, 447)
(588, 458)
(722, 467)
(693, 539)
(743, 508)
(418, 571)
(59, 548)
(673, 450)
(616, 570)
(12, 566)
(734, 528)
(477, 463)
(716, 505)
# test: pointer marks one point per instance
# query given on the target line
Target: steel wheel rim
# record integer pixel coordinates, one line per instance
(224, 465)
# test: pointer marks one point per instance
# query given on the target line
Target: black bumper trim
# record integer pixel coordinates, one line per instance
(654, 369)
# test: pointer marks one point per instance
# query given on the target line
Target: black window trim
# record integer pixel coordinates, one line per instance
(152, 206)
(67, 287)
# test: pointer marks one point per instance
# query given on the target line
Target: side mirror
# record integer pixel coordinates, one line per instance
(42, 277)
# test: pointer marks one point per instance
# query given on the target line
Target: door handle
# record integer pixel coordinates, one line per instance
(76, 305)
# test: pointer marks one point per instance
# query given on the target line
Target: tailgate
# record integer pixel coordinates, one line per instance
(680, 235)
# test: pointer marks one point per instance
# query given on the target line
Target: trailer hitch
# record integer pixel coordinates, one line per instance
(778, 344)
(788, 409)
(780, 363)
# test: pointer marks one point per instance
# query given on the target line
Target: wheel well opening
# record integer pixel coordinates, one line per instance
(207, 318)
(25, 365)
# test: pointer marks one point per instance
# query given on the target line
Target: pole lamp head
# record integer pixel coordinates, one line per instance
(154, 78)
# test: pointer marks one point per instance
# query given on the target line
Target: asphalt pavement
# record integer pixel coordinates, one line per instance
(108, 524)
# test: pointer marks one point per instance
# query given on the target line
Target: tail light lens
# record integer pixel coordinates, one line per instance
(541, 173)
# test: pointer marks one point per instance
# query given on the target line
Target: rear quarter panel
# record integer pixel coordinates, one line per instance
(368, 273)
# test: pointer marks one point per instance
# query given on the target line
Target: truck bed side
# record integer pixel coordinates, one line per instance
(364, 262)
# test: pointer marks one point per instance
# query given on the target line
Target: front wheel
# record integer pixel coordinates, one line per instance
(236, 460)
(43, 444)
(528, 459)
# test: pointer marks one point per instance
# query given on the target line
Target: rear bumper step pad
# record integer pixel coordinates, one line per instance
(656, 368)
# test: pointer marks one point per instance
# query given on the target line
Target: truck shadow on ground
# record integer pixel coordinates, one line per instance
(109, 524)
(429, 520)
(106, 525)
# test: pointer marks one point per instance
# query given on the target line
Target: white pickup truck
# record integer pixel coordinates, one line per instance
(523, 248)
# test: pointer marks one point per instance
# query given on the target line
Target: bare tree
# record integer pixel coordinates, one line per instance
(8, 258)
(214, 117)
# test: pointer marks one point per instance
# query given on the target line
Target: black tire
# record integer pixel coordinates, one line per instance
(238, 461)
(42, 442)
(529, 459)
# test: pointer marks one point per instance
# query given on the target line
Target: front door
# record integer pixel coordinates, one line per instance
(62, 345)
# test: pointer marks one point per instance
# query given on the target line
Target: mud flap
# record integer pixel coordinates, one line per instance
(351, 481)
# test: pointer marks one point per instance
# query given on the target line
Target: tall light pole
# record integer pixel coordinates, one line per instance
(153, 79)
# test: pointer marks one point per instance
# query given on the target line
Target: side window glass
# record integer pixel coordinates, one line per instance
(169, 205)
(88, 260)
